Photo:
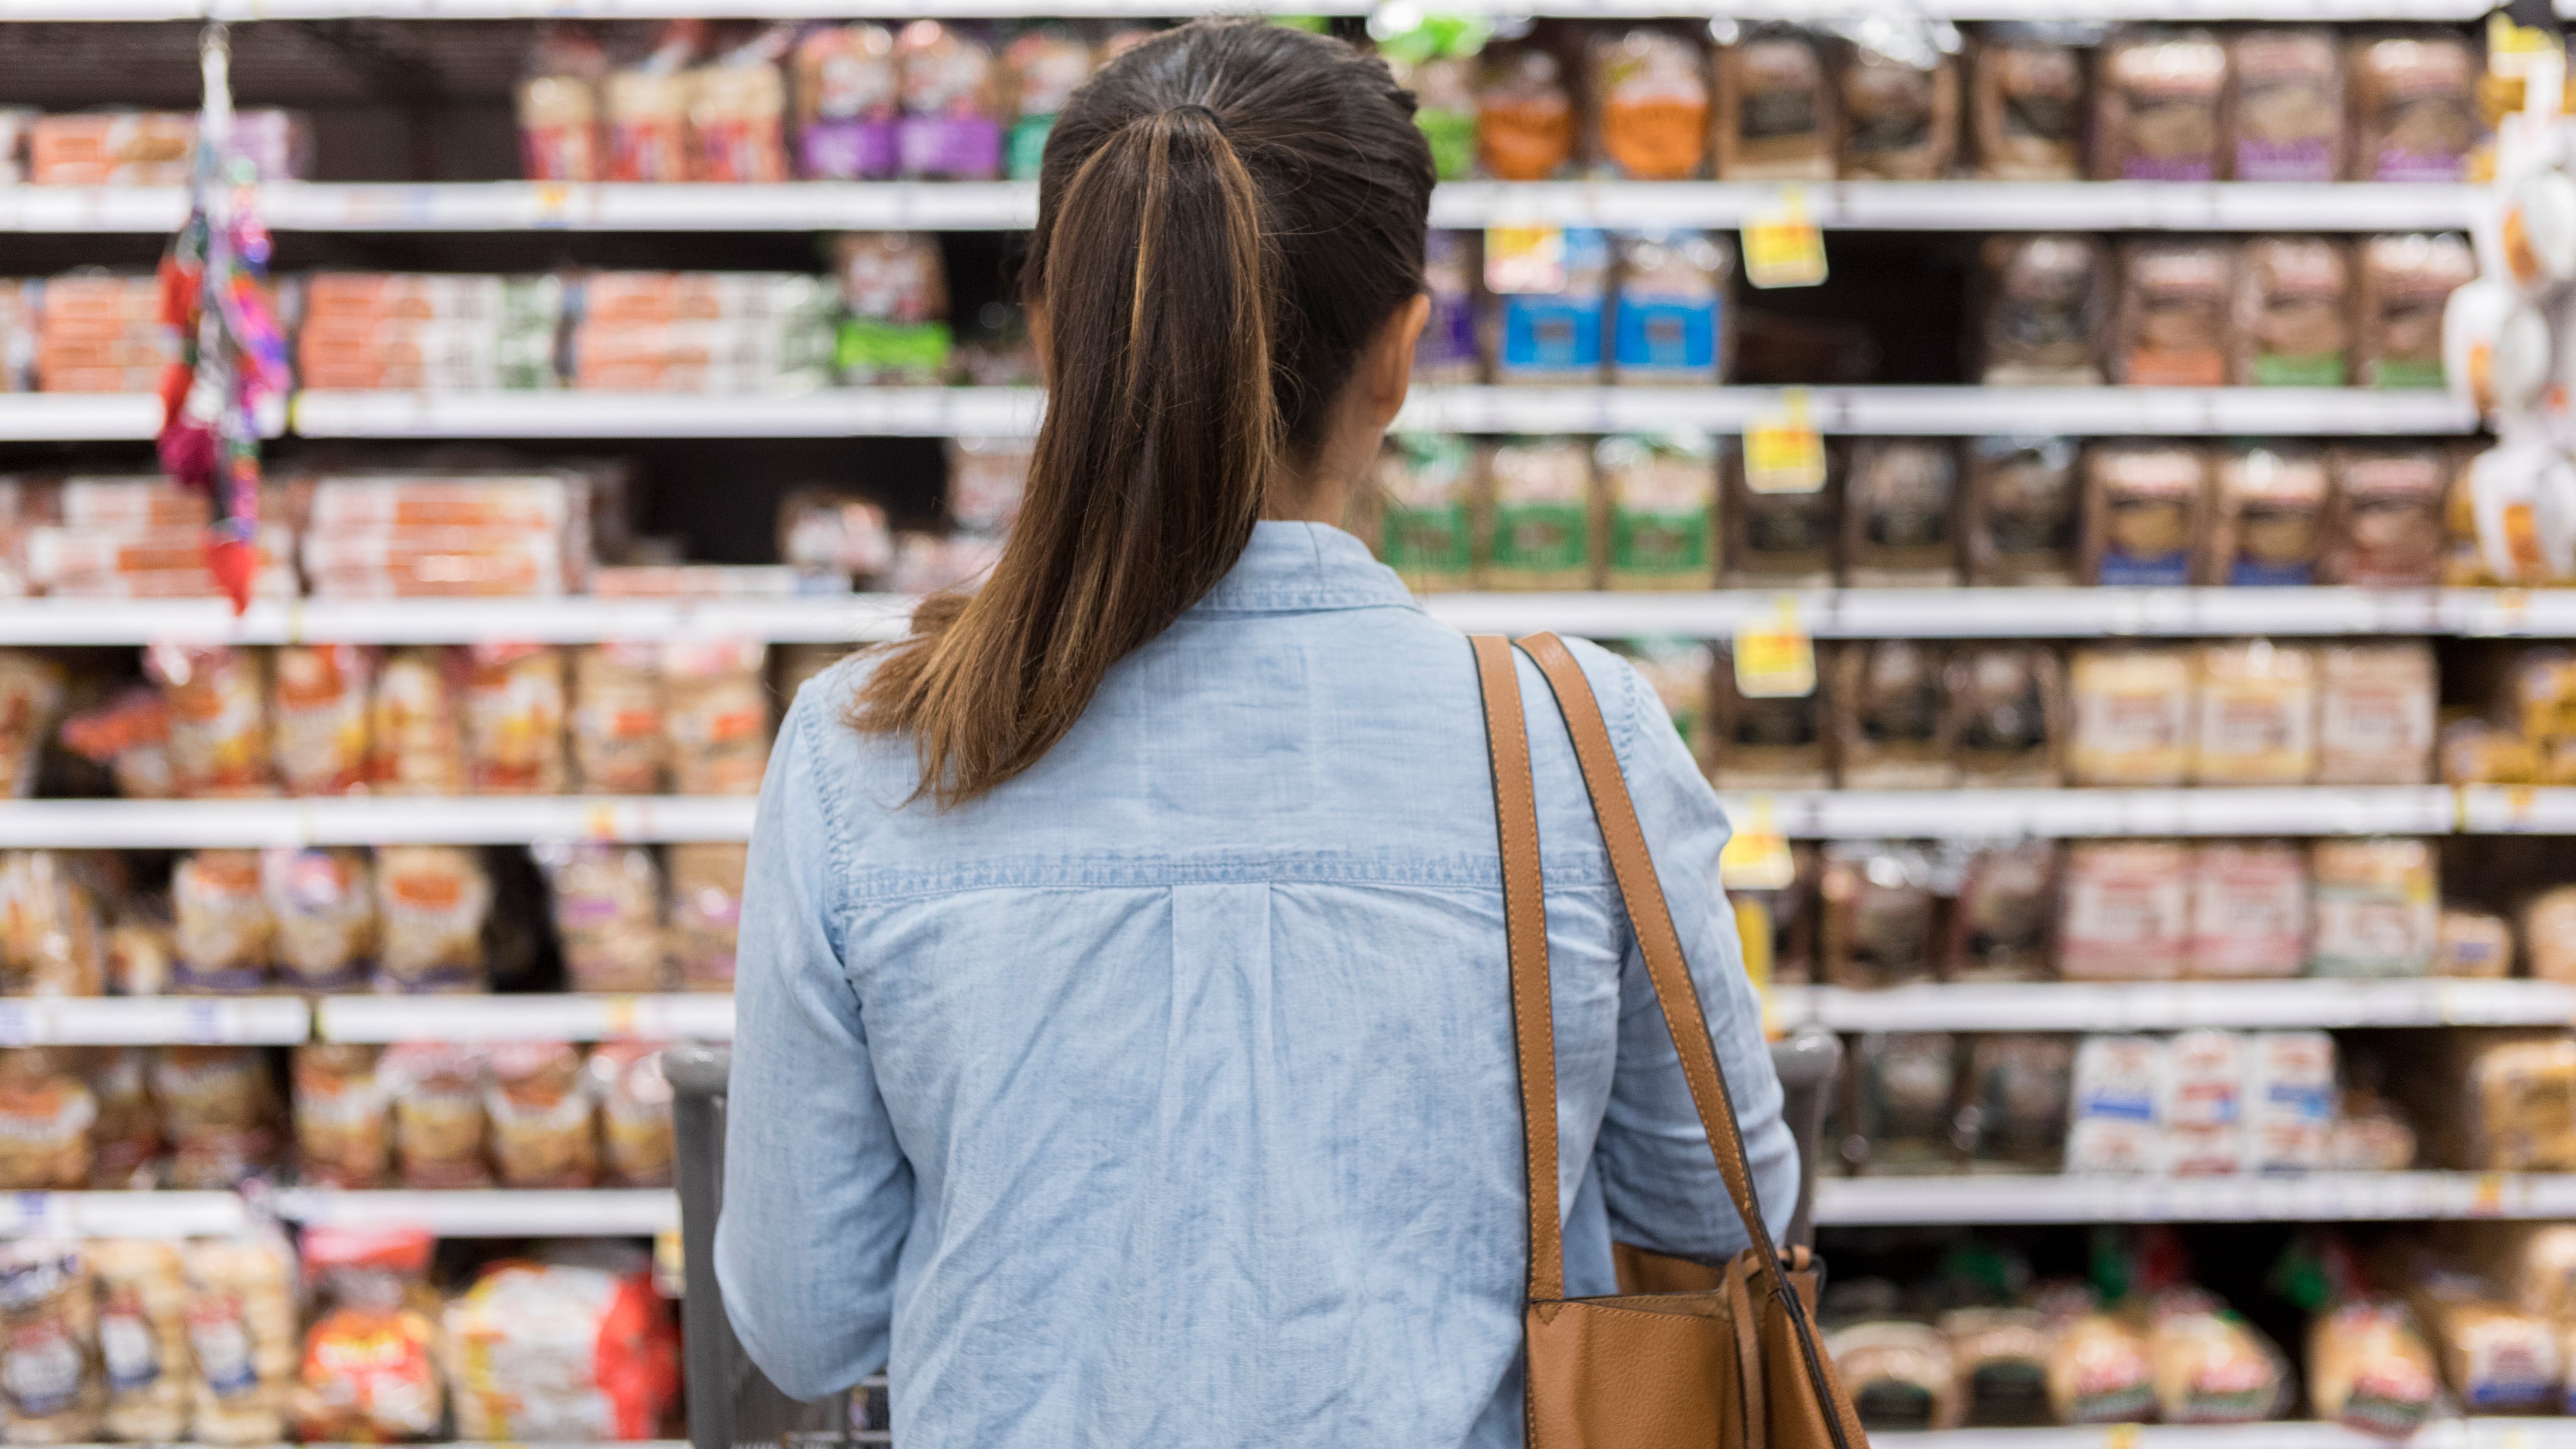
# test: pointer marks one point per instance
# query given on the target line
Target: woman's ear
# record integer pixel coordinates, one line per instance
(1388, 365)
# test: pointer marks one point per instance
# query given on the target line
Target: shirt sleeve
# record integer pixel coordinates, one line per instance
(1658, 1176)
(817, 1194)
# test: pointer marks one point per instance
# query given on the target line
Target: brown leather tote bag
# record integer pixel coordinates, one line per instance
(1698, 1355)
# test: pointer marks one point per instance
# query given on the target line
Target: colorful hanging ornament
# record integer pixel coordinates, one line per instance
(232, 355)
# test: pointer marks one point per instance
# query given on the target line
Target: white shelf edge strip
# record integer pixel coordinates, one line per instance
(2311, 1197)
(242, 10)
(533, 1016)
(380, 820)
(2496, 1433)
(154, 1020)
(121, 1214)
(599, 1212)
(2174, 1005)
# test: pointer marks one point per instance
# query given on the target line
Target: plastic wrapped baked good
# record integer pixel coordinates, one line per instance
(2549, 934)
(1650, 99)
(1900, 513)
(2133, 716)
(369, 1371)
(617, 735)
(1905, 1095)
(1659, 492)
(2267, 519)
(1881, 918)
(2212, 1367)
(218, 699)
(2285, 105)
(1448, 353)
(2019, 522)
(241, 1337)
(2207, 1082)
(1900, 1375)
(49, 1379)
(31, 696)
(717, 714)
(220, 1110)
(2400, 287)
(1900, 119)
(2413, 106)
(142, 1302)
(1426, 489)
(647, 108)
(1524, 115)
(2384, 517)
(952, 109)
(634, 1098)
(2377, 908)
(2005, 914)
(706, 909)
(2368, 1135)
(1769, 743)
(558, 1352)
(50, 943)
(894, 285)
(2145, 506)
(226, 937)
(2375, 713)
(2290, 1101)
(322, 907)
(846, 102)
(1542, 515)
(437, 1093)
(2474, 944)
(141, 957)
(737, 117)
(2370, 1369)
(343, 1135)
(2518, 1105)
(2249, 909)
(1043, 65)
(433, 901)
(2497, 1359)
(558, 106)
(318, 728)
(1892, 726)
(608, 916)
(2100, 1372)
(2126, 911)
(514, 717)
(2026, 107)
(129, 733)
(2257, 715)
(2293, 314)
(540, 1110)
(413, 727)
(46, 1116)
(125, 1139)
(1668, 319)
(1782, 540)
(2009, 704)
(2020, 1091)
(2047, 311)
(1775, 108)
(2156, 106)
(1547, 321)
(2175, 326)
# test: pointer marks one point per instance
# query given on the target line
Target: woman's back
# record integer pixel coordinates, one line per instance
(1165, 1093)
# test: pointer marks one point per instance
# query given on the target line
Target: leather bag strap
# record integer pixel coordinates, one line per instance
(1525, 928)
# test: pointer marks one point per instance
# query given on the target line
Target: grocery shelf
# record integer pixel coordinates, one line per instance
(154, 1020)
(2171, 1005)
(916, 412)
(121, 1214)
(2314, 10)
(2008, 814)
(498, 1213)
(534, 1016)
(2311, 1197)
(474, 206)
(95, 417)
(2277, 1434)
(364, 820)
(573, 619)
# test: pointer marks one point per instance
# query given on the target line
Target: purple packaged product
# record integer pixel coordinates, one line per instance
(1448, 352)
(960, 148)
(848, 150)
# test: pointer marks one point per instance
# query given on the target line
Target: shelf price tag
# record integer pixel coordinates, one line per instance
(1785, 454)
(1756, 857)
(1524, 259)
(1775, 658)
(1782, 246)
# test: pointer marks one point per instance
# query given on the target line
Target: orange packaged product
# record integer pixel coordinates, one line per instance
(433, 902)
(343, 1133)
(514, 717)
(2175, 324)
(1651, 88)
(31, 695)
(618, 744)
(318, 729)
(218, 698)
(737, 119)
(412, 734)
(718, 716)
(540, 1110)
(46, 1116)
(111, 148)
(226, 937)
(1524, 115)
(1775, 108)
(648, 124)
(369, 1372)
(50, 943)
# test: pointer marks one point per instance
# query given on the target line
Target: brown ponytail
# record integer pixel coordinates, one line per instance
(1226, 214)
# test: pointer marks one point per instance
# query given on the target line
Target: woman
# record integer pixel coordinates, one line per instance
(1124, 1043)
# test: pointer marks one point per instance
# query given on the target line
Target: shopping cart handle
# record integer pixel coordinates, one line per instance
(697, 1070)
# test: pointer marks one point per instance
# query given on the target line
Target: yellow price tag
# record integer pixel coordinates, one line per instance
(2120, 1436)
(2488, 1199)
(1782, 246)
(1776, 660)
(1525, 259)
(623, 1014)
(1785, 454)
(2511, 47)
(1756, 858)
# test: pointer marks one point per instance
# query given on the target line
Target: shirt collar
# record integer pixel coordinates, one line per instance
(1295, 567)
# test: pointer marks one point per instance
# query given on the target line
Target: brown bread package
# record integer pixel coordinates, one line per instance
(2156, 101)
(1782, 540)
(2046, 308)
(1524, 114)
(1881, 916)
(2413, 106)
(2019, 522)
(2384, 516)
(2549, 934)
(2473, 944)
(1775, 108)
(2006, 912)
(2026, 105)
(2125, 912)
(2293, 314)
(1891, 722)
(1900, 118)
(2131, 716)
(1902, 1376)
(2009, 702)
(2145, 506)
(2267, 516)
(2494, 1101)
(2249, 909)
(2376, 708)
(1900, 513)
(2257, 721)
(2401, 285)
(1768, 744)
(2173, 327)
(2285, 104)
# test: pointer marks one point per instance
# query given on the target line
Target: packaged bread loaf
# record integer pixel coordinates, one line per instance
(2257, 720)
(2376, 908)
(1447, 353)
(1900, 513)
(2475, 944)
(2100, 1372)
(1650, 103)
(1426, 490)
(2285, 108)
(46, 1116)
(319, 726)
(716, 712)
(125, 1140)
(31, 696)
(2383, 517)
(2212, 1367)
(1900, 115)
(218, 699)
(241, 1338)
(343, 1133)
(1524, 115)
(2001, 923)
(2009, 702)
(2368, 1135)
(559, 1352)
(2115, 1126)
(539, 1104)
(1775, 108)
(1660, 492)
(1892, 724)
(1781, 540)
(2204, 1110)
(2375, 713)
(2496, 1358)
(2249, 909)
(219, 1107)
(129, 733)
(2174, 327)
(2414, 106)
(647, 108)
(1547, 319)
(2400, 286)
(1668, 319)
(432, 903)
(1542, 515)
(1046, 63)
(437, 1093)
(706, 910)
(617, 723)
(141, 958)
(846, 85)
(49, 1378)
(2519, 1105)
(1768, 743)
(1880, 925)
(634, 1112)
(2046, 303)
(2001, 1357)
(2293, 314)
(513, 720)
(369, 1373)
(2290, 1100)
(226, 937)
(2132, 716)
(1905, 1092)
(558, 111)
(2156, 102)
(2144, 510)
(608, 916)
(142, 1301)
(50, 943)
(2020, 1088)
(2267, 516)
(2126, 911)
(413, 728)
(2549, 934)
(952, 108)
(2026, 104)
(2019, 522)
(1900, 1375)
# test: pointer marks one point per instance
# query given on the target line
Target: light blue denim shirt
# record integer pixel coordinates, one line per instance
(1165, 1096)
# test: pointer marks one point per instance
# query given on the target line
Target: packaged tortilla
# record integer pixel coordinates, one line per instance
(1447, 353)
(1426, 487)
(322, 905)
(2212, 1367)
(1891, 721)
(951, 127)
(706, 911)
(634, 1112)
(2268, 516)
(46, 1116)
(617, 734)
(413, 728)
(2292, 314)
(2144, 505)
(318, 728)
(343, 1135)
(2133, 716)
(220, 1109)
(1782, 540)
(2285, 105)
(1881, 918)
(2249, 909)
(1660, 492)
(2473, 944)
(218, 717)
(2100, 1372)
(2175, 327)
(125, 1140)
(437, 1093)
(1768, 744)
(226, 937)
(2006, 912)
(49, 933)
(31, 695)
(1650, 94)
(1900, 1375)
(2027, 106)
(540, 1110)
(2377, 908)
(241, 1338)
(1524, 115)
(608, 916)
(2375, 713)
(2047, 307)
(432, 902)
(1542, 515)
(2549, 934)
(1900, 513)
(1668, 318)
(2369, 1368)
(737, 118)
(2010, 706)
(1775, 107)
(1547, 329)
(717, 715)
(846, 102)
(514, 717)
(49, 1379)
(2019, 522)
(2257, 715)
(2156, 105)
(2020, 1089)
(2414, 106)
(1900, 119)
(2126, 911)
(2384, 517)
(2400, 286)
(142, 1299)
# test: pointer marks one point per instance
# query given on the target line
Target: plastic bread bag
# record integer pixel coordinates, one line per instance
(1775, 107)
(141, 1292)
(2009, 701)
(895, 287)
(49, 1378)
(369, 1372)
(2046, 305)
(539, 1106)
(2125, 911)
(1548, 319)
(31, 696)
(1900, 513)
(558, 109)
(2377, 908)
(634, 1098)
(1650, 99)
(1043, 65)
(50, 942)
(559, 1352)
(2002, 926)
(1426, 509)
(46, 1116)
(2384, 517)
(952, 109)
(2175, 326)
(241, 1337)
(2156, 104)
(343, 1133)
(322, 906)
(1900, 112)
(2249, 909)
(413, 727)
(2144, 511)
(2100, 1372)
(2115, 1127)
(2132, 715)
(2549, 934)
(2400, 286)
(2257, 715)
(141, 956)
(986, 478)
(1669, 315)
(608, 916)
(437, 1093)
(717, 715)
(2212, 1367)
(2285, 104)
(1900, 1375)
(2290, 1101)
(648, 118)
(1448, 352)
(1880, 916)
(1905, 1090)
(1542, 517)
(513, 717)
(2293, 314)
(318, 725)
(847, 101)
(1768, 743)
(2020, 1093)
(2375, 713)
(220, 1109)
(218, 699)
(738, 115)
(125, 1138)
(2368, 1135)
(130, 734)
(2204, 1109)
(2473, 944)
(2018, 525)
(2413, 106)
(1891, 718)
(2496, 1358)
(226, 937)
(617, 728)
(432, 902)
(2026, 104)
(1524, 115)
(1660, 493)
(1782, 540)
(2370, 1369)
